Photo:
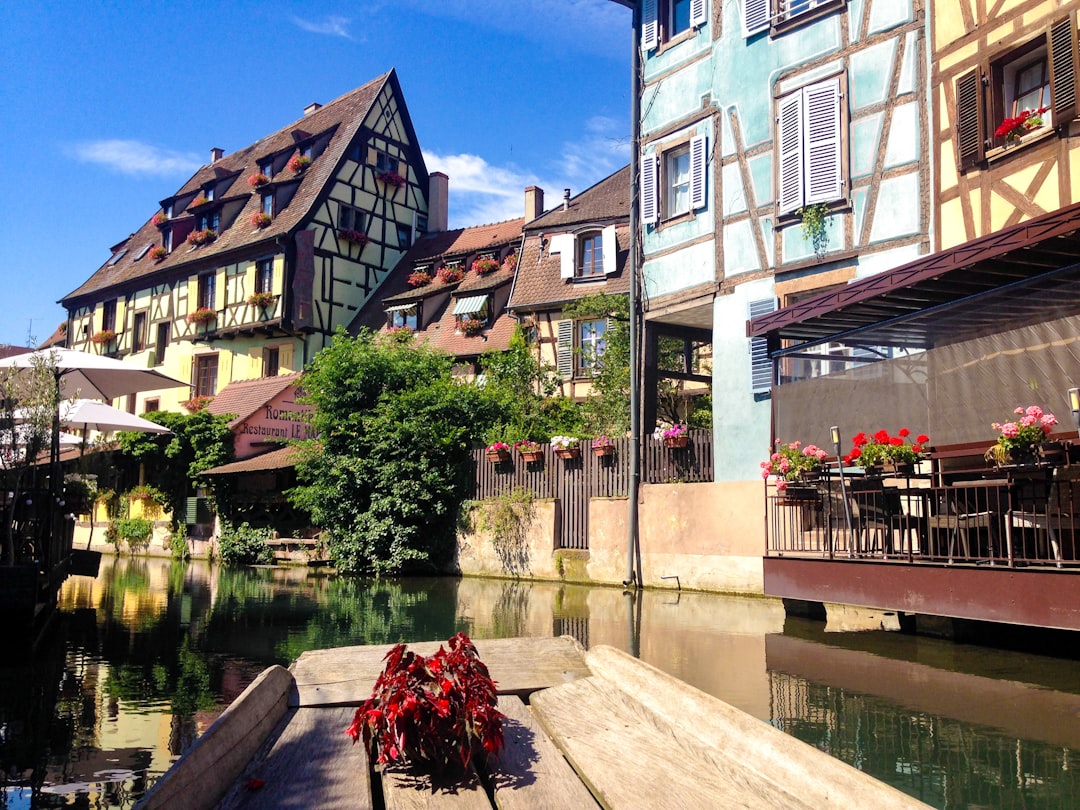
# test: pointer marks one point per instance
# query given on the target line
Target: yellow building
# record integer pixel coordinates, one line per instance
(248, 269)
(1004, 89)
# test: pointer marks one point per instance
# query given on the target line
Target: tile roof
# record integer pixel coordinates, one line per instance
(538, 283)
(344, 116)
(245, 397)
(274, 460)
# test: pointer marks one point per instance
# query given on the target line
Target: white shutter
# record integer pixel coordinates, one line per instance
(564, 244)
(650, 26)
(649, 206)
(610, 247)
(755, 16)
(564, 349)
(761, 367)
(698, 164)
(698, 13)
(821, 103)
(790, 169)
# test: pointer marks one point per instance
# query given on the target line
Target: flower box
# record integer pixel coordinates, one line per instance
(470, 327)
(419, 278)
(103, 337)
(196, 238)
(201, 316)
(159, 220)
(196, 404)
(568, 452)
(260, 220)
(450, 275)
(158, 253)
(298, 163)
(261, 299)
(676, 441)
(1020, 440)
(353, 237)
(392, 179)
(530, 451)
(1015, 128)
(498, 456)
(530, 456)
(258, 179)
(198, 201)
(602, 450)
(484, 266)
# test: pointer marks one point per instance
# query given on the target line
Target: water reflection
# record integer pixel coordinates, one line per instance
(150, 652)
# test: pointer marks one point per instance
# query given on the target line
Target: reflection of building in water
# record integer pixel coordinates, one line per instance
(576, 626)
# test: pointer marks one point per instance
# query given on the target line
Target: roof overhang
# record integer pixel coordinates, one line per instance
(1019, 275)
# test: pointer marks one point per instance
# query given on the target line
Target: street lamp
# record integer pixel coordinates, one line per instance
(835, 432)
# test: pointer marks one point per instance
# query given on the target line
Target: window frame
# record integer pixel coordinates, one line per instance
(583, 368)
(589, 261)
(271, 360)
(266, 204)
(810, 147)
(657, 28)
(108, 315)
(207, 291)
(776, 17)
(162, 337)
(264, 275)
(655, 177)
(409, 318)
(205, 375)
(352, 218)
(139, 321)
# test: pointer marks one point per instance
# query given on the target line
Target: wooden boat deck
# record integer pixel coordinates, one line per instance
(582, 730)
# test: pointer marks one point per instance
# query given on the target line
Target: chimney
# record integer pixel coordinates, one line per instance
(534, 203)
(312, 107)
(216, 154)
(566, 199)
(438, 202)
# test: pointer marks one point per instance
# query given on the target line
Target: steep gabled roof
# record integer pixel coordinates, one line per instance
(606, 201)
(246, 397)
(342, 117)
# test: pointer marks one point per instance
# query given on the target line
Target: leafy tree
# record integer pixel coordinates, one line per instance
(199, 441)
(391, 462)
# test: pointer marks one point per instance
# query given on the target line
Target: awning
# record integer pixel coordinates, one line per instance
(1021, 274)
(469, 304)
(402, 307)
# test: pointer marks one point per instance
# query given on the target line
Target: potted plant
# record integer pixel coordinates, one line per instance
(298, 163)
(883, 452)
(674, 436)
(196, 238)
(470, 327)
(530, 451)
(261, 299)
(392, 179)
(1014, 128)
(436, 714)
(510, 262)
(484, 266)
(258, 179)
(1018, 441)
(793, 462)
(103, 337)
(498, 451)
(353, 237)
(260, 220)
(419, 278)
(159, 219)
(158, 253)
(603, 446)
(566, 447)
(200, 200)
(196, 404)
(449, 275)
(202, 315)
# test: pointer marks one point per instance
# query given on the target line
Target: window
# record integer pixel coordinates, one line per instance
(809, 164)
(403, 315)
(681, 185)
(208, 192)
(168, 209)
(166, 240)
(384, 164)
(591, 343)
(208, 221)
(268, 204)
(351, 219)
(761, 367)
(151, 406)
(162, 342)
(117, 257)
(779, 15)
(271, 362)
(108, 316)
(264, 276)
(665, 20)
(207, 290)
(1039, 74)
(138, 332)
(305, 151)
(267, 168)
(206, 375)
(143, 251)
(404, 235)
(130, 403)
(591, 253)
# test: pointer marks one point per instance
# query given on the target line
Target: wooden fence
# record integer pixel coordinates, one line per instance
(573, 482)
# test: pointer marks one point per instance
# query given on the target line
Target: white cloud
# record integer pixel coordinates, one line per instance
(135, 157)
(481, 192)
(332, 26)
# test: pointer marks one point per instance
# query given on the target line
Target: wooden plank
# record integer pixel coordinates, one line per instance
(404, 791)
(759, 752)
(530, 771)
(212, 764)
(631, 757)
(312, 763)
(344, 676)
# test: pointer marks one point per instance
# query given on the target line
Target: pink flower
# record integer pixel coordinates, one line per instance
(1019, 410)
(1048, 420)
(1035, 412)
(1010, 430)
(765, 472)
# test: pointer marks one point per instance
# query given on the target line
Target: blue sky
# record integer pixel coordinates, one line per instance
(108, 108)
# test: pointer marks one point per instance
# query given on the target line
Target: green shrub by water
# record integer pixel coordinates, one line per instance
(244, 545)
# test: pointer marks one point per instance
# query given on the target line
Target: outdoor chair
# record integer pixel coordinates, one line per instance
(967, 507)
(1051, 509)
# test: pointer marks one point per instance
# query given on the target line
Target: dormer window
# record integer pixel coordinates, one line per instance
(268, 204)
(586, 255)
(267, 168)
(208, 221)
(403, 315)
(166, 240)
(590, 255)
(471, 312)
(208, 193)
(168, 209)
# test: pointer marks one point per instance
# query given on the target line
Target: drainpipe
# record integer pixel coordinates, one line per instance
(633, 550)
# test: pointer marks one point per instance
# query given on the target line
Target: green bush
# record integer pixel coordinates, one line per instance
(178, 545)
(244, 545)
(136, 532)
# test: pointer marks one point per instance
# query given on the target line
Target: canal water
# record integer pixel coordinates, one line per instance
(146, 655)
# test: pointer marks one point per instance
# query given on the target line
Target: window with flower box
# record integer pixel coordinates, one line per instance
(404, 316)
(351, 219)
(778, 16)
(1032, 86)
(209, 221)
(810, 162)
(264, 276)
(207, 291)
(108, 316)
(384, 164)
(268, 204)
(665, 21)
(267, 168)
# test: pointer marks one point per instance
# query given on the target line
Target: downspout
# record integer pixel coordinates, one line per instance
(633, 550)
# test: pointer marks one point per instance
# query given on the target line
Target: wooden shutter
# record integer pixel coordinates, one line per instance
(650, 26)
(821, 155)
(970, 148)
(755, 16)
(120, 324)
(564, 349)
(192, 294)
(698, 165)
(1064, 60)
(761, 367)
(565, 244)
(610, 246)
(649, 197)
(276, 270)
(285, 358)
(219, 290)
(790, 166)
(698, 13)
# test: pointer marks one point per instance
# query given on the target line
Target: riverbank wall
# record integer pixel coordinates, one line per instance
(707, 537)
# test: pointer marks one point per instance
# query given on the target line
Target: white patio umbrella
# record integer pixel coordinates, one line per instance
(89, 414)
(82, 374)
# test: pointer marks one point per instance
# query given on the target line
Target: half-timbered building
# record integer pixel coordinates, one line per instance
(248, 269)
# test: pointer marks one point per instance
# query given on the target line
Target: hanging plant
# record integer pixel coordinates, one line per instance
(260, 220)
(814, 226)
(298, 163)
(419, 278)
(158, 253)
(258, 179)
